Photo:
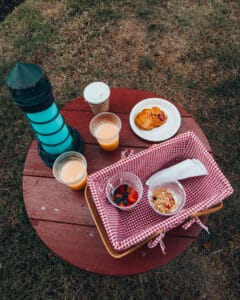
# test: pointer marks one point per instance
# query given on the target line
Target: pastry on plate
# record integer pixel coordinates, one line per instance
(150, 118)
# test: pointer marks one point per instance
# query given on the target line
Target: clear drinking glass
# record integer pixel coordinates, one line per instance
(176, 190)
(105, 127)
(123, 178)
(70, 168)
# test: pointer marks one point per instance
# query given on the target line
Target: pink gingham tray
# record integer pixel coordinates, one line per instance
(126, 229)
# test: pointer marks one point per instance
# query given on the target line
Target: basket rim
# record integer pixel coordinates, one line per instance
(175, 220)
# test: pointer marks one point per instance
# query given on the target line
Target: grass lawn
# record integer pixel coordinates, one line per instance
(187, 51)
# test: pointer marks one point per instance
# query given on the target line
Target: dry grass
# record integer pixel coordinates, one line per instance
(187, 51)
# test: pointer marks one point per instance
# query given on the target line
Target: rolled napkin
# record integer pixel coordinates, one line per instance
(185, 169)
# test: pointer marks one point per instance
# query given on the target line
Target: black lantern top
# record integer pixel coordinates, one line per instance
(29, 87)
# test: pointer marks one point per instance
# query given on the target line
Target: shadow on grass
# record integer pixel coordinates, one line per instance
(7, 6)
(226, 88)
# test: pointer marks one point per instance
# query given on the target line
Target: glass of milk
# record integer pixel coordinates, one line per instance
(70, 168)
(105, 127)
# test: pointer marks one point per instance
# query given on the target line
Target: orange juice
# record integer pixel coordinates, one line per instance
(105, 127)
(107, 135)
(74, 174)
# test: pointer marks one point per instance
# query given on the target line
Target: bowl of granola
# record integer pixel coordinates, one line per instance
(167, 198)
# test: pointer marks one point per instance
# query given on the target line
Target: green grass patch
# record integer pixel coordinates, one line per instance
(144, 13)
(156, 28)
(146, 63)
(35, 33)
(105, 15)
(226, 88)
(32, 33)
(79, 6)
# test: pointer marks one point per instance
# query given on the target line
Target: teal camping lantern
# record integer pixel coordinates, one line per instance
(32, 92)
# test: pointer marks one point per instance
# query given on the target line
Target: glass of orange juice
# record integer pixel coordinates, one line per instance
(70, 168)
(105, 127)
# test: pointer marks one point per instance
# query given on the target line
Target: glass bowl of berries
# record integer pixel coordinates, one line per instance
(124, 190)
(167, 198)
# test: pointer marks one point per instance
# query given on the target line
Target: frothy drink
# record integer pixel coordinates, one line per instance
(74, 171)
(70, 168)
(97, 95)
(107, 136)
(105, 127)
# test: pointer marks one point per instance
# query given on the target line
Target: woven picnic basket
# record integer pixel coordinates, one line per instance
(127, 230)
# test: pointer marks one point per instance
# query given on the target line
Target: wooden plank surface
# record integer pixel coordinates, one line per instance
(128, 139)
(61, 216)
(96, 160)
(65, 205)
(82, 247)
(121, 102)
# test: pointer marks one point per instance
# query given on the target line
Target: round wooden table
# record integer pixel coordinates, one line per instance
(61, 216)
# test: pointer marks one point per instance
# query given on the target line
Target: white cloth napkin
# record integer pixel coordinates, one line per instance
(185, 169)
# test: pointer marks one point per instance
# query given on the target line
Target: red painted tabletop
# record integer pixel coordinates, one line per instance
(61, 216)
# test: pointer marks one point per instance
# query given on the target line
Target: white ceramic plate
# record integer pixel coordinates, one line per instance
(162, 132)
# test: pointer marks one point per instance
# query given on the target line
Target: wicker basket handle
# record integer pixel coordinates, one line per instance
(207, 211)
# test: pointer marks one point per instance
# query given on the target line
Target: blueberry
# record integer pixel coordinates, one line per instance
(118, 200)
(116, 191)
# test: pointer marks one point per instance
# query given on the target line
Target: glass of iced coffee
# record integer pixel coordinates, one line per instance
(97, 95)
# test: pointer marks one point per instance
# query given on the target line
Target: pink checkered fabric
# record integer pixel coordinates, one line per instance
(126, 229)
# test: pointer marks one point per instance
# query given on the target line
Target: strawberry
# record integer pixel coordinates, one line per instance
(131, 199)
(121, 189)
(133, 193)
